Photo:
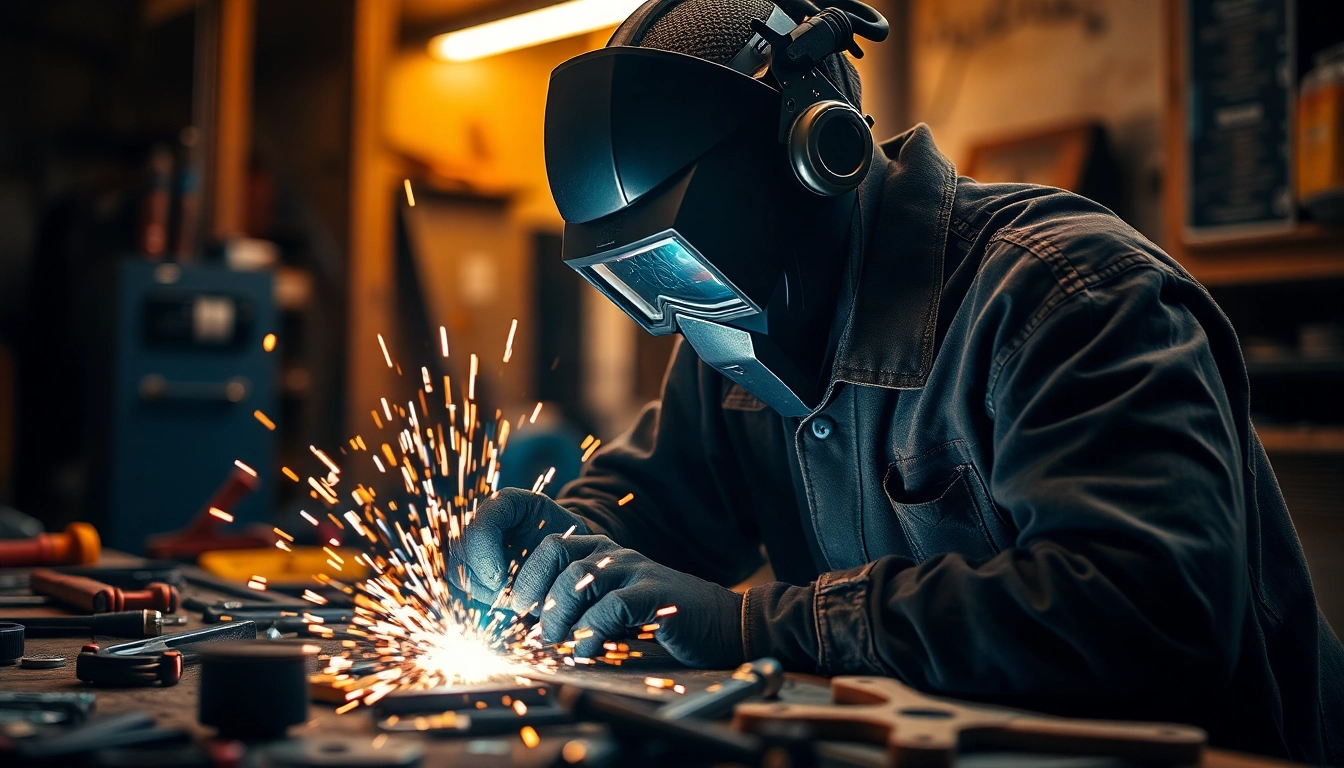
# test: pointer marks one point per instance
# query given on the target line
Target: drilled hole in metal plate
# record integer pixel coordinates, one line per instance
(931, 714)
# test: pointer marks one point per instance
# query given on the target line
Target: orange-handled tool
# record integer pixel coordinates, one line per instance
(92, 596)
(77, 545)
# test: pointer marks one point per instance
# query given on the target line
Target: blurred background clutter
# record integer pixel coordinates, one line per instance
(210, 210)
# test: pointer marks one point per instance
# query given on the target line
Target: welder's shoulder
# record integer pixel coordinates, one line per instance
(1028, 232)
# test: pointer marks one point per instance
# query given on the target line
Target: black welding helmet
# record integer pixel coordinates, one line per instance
(715, 199)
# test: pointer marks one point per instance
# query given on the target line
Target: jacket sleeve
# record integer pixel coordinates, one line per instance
(684, 512)
(1116, 455)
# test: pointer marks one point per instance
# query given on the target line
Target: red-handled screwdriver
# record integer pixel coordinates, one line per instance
(93, 596)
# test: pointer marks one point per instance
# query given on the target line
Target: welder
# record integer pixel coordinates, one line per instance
(992, 441)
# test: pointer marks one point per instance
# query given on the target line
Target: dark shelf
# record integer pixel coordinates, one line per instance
(1295, 367)
(1280, 439)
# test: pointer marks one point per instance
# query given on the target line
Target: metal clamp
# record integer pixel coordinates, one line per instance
(157, 661)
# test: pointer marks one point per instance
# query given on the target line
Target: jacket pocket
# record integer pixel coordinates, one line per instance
(941, 517)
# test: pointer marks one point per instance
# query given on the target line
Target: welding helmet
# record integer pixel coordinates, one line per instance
(715, 199)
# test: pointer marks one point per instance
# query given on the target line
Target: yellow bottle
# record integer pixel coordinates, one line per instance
(1320, 136)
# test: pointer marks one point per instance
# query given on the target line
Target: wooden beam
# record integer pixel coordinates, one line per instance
(233, 118)
(372, 269)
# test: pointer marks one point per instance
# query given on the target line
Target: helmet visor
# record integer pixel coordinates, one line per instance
(662, 276)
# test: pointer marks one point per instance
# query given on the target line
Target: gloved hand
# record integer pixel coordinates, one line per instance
(506, 528)
(625, 593)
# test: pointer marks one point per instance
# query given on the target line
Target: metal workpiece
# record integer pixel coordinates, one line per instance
(920, 730)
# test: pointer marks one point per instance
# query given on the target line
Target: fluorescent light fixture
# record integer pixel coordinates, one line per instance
(554, 22)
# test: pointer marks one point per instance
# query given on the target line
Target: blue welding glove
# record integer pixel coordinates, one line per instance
(505, 529)
(625, 593)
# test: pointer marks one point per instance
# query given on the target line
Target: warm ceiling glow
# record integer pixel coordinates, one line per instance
(554, 22)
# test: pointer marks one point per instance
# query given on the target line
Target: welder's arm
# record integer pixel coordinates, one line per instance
(686, 506)
(1117, 456)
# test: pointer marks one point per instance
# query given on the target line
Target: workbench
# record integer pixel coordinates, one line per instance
(176, 706)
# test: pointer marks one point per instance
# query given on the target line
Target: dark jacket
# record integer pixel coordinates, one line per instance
(1033, 480)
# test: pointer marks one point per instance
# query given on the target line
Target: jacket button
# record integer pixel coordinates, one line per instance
(822, 427)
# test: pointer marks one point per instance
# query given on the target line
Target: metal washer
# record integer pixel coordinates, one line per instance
(41, 662)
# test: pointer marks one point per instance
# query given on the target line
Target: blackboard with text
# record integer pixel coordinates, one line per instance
(1239, 97)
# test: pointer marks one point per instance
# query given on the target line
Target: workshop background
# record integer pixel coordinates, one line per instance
(181, 179)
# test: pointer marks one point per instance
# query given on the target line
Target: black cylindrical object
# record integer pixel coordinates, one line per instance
(11, 643)
(254, 690)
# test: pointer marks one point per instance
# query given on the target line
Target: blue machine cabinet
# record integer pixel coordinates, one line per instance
(188, 372)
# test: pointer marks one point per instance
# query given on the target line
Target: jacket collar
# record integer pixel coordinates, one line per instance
(889, 336)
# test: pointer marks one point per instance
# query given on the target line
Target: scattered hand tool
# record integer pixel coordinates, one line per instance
(11, 643)
(254, 690)
(122, 624)
(214, 583)
(45, 708)
(272, 613)
(639, 728)
(336, 751)
(203, 534)
(114, 731)
(127, 577)
(920, 730)
(763, 677)
(149, 662)
(86, 594)
(131, 576)
(79, 543)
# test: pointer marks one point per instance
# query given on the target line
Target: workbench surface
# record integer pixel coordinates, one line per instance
(176, 706)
